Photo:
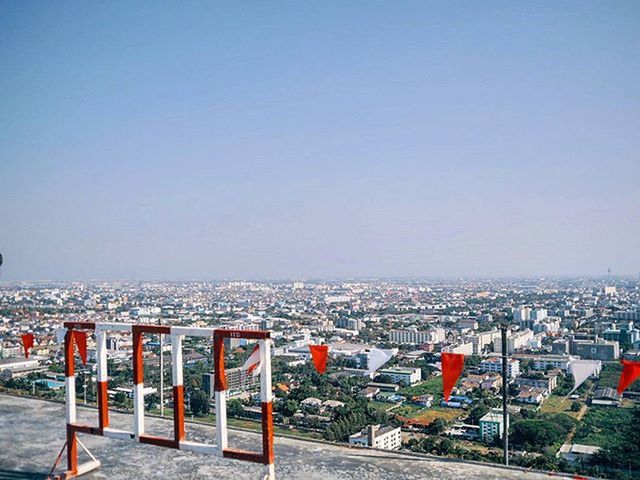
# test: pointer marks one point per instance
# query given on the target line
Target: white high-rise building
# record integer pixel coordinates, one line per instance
(416, 337)
(515, 340)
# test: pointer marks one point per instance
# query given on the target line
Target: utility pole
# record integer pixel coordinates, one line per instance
(161, 376)
(505, 379)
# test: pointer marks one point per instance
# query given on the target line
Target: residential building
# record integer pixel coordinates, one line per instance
(492, 425)
(494, 365)
(386, 438)
(238, 379)
(416, 337)
(595, 350)
(403, 375)
(481, 340)
(515, 341)
(546, 362)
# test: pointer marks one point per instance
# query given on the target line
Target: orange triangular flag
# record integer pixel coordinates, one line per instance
(630, 372)
(81, 340)
(27, 343)
(319, 354)
(452, 364)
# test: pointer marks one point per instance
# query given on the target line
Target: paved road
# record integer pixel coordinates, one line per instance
(32, 433)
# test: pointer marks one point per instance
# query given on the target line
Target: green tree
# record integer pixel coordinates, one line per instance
(235, 408)
(199, 403)
(288, 408)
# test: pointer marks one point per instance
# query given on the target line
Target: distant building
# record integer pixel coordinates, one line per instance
(515, 341)
(19, 367)
(531, 395)
(403, 375)
(538, 314)
(481, 340)
(595, 350)
(387, 438)
(425, 400)
(521, 315)
(560, 347)
(548, 383)
(237, 378)
(628, 315)
(577, 453)
(492, 425)
(494, 365)
(463, 348)
(605, 397)
(547, 362)
(467, 323)
(416, 337)
(350, 323)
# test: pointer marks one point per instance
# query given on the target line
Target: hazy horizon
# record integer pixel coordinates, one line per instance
(195, 141)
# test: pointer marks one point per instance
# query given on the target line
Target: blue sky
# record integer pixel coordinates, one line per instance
(178, 140)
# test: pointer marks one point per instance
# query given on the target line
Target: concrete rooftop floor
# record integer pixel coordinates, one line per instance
(32, 433)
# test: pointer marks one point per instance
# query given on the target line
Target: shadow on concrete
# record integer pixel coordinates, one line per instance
(15, 475)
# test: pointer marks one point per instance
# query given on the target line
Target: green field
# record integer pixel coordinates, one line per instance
(558, 404)
(433, 386)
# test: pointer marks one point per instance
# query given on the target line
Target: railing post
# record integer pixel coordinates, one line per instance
(220, 389)
(70, 402)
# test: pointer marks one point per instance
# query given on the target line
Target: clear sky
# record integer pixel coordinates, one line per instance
(206, 140)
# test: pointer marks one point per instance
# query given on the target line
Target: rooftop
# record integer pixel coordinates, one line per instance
(37, 434)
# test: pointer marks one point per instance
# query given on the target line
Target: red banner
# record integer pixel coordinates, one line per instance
(630, 372)
(81, 340)
(27, 343)
(319, 354)
(452, 364)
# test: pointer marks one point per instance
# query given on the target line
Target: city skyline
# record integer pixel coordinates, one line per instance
(156, 142)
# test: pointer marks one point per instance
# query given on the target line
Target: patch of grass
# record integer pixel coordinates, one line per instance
(382, 406)
(431, 414)
(410, 411)
(558, 404)
(433, 386)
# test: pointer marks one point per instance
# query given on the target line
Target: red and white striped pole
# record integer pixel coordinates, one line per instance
(266, 398)
(178, 387)
(220, 392)
(138, 385)
(103, 396)
(70, 403)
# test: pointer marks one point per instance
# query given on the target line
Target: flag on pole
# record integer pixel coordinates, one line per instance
(319, 354)
(581, 370)
(452, 364)
(378, 357)
(27, 343)
(81, 340)
(253, 365)
(630, 372)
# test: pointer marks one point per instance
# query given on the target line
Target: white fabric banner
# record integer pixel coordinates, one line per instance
(378, 357)
(583, 369)
(253, 364)
(60, 333)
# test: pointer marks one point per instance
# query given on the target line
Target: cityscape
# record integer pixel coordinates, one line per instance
(337, 240)
(551, 322)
